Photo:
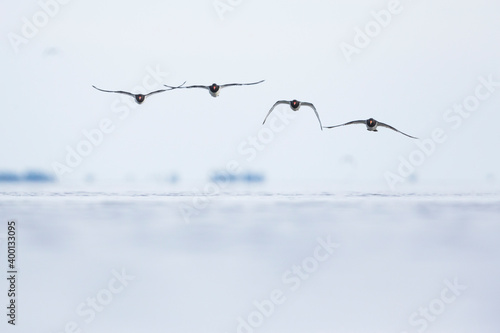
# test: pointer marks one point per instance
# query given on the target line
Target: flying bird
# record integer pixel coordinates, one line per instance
(371, 125)
(139, 98)
(214, 89)
(295, 106)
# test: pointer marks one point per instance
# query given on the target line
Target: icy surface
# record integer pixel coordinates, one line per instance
(397, 255)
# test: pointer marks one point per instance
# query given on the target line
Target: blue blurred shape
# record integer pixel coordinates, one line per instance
(9, 177)
(244, 177)
(37, 177)
(28, 177)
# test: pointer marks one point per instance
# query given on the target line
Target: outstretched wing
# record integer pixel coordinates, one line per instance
(392, 128)
(115, 91)
(155, 92)
(275, 105)
(314, 109)
(162, 90)
(182, 86)
(349, 123)
(240, 84)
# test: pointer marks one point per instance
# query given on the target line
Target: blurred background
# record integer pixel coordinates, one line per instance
(405, 63)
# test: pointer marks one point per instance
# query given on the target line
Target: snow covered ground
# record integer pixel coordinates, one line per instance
(254, 262)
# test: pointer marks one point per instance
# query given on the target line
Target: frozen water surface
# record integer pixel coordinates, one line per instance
(256, 262)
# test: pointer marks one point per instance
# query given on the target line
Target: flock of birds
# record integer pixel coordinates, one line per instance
(214, 90)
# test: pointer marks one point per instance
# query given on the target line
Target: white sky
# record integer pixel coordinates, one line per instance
(426, 60)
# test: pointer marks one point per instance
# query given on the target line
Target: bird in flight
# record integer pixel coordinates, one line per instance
(139, 98)
(214, 89)
(371, 125)
(295, 106)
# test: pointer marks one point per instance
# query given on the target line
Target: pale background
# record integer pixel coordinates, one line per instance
(427, 59)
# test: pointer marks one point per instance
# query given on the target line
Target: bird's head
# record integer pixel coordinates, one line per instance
(139, 98)
(295, 104)
(214, 88)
